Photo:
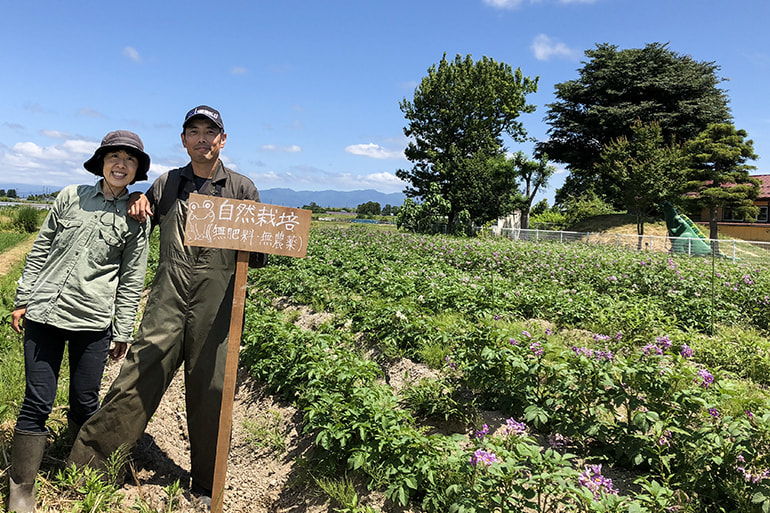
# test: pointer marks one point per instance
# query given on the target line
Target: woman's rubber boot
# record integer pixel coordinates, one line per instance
(27, 454)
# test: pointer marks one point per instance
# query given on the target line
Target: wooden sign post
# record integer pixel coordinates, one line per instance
(245, 226)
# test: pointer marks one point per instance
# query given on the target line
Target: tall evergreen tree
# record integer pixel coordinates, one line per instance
(614, 90)
(719, 173)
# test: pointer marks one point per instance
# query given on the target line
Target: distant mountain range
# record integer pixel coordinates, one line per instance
(283, 197)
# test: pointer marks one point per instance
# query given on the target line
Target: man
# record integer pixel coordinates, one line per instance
(187, 317)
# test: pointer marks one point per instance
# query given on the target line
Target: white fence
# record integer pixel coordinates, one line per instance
(736, 250)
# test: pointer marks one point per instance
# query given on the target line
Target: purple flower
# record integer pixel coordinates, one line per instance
(652, 348)
(515, 428)
(593, 479)
(714, 412)
(583, 351)
(663, 341)
(686, 351)
(514, 342)
(706, 378)
(526, 334)
(483, 458)
(749, 414)
(603, 355)
(536, 348)
(484, 431)
(556, 440)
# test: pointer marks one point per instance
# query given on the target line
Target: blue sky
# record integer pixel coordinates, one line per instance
(309, 90)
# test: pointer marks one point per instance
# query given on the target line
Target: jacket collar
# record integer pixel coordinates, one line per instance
(218, 176)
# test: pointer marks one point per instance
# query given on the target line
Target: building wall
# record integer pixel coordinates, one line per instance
(758, 231)
(746, 231)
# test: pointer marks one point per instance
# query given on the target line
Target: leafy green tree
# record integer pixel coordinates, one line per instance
(719, 173)
(616, 88)
(457, 119)
(12, 193)
(2, 193)
(534, 174)
(370, 208)
(539, 208)
(582, 207)
(647, 171)
(423, 217)
(316, 209)
(479, 176)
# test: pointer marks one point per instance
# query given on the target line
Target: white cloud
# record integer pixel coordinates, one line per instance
(91, 113)
(55, 165)
(545, 48)
(313, 178)
(132, 54)
(31, 154)
(156, 170)
(55, 134)
(513, 4)
(504, 4)
(374, 151)
(238, 70)
(281, 149)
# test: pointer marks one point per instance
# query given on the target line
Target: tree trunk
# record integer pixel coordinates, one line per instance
(714, 230)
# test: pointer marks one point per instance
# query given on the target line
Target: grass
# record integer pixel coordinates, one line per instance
(10, 239)
(265, 431)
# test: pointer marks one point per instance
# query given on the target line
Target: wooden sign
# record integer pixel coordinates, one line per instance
(246, 225)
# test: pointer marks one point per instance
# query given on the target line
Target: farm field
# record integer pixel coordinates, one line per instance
(651, 363)
(445, 374)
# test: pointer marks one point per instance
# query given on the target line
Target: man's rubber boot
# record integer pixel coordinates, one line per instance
(27, 454)
(72, 431)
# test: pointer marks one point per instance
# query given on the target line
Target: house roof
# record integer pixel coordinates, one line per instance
(764, 186)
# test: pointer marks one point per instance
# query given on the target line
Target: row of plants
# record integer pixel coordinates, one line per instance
(694, 441)
(597, 288)
(360, 426)
(695, 435)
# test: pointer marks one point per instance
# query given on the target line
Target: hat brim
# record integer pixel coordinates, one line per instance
(95, 164)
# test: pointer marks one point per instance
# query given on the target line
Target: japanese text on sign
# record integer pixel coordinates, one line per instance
(246, 225)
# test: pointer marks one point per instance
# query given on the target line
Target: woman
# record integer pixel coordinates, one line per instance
(81, 284)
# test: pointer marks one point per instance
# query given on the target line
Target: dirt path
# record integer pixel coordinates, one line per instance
(15, 254)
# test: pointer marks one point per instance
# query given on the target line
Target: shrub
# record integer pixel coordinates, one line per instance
(28, 219)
